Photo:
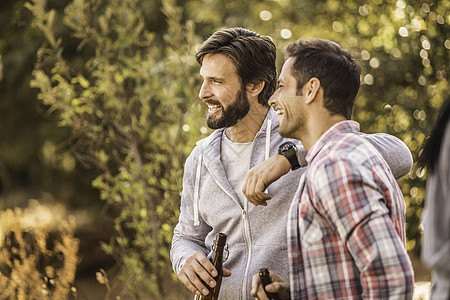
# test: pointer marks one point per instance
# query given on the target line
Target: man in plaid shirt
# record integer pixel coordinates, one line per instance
(346, 225)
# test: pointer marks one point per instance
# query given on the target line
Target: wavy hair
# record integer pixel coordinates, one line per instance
(253, 55)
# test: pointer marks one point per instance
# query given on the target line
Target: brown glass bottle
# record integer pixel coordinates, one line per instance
(265, 280)
(217, 260)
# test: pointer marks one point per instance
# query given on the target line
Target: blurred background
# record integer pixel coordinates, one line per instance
(99, 110)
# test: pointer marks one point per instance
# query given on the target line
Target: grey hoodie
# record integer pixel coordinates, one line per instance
(256, 235)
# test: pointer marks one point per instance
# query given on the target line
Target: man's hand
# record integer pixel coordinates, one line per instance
(261, 176)
(198, 267)
(279, 285)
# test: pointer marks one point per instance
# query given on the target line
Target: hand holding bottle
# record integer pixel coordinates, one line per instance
(216, 258)
(279, 285)
(198, 274)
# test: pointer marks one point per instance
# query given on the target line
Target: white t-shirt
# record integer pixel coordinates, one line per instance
(236, 158)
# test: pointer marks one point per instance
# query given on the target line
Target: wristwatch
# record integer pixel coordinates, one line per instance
(289, 150)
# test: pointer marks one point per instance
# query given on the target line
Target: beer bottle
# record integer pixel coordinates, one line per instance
(217, 260)
(265, 280)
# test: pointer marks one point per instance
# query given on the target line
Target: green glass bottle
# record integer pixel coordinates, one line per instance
(217, 260)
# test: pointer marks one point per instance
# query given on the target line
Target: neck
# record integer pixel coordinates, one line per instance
(246, 129)
(317, 129)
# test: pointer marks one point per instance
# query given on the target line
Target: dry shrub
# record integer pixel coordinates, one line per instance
(38, 253)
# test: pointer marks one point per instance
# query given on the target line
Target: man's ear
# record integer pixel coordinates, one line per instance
(311, 89)
(255, 88)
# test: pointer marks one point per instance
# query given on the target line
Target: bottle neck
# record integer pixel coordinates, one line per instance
(217, 258)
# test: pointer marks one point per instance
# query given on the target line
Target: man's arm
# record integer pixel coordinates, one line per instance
(382, 259)
(188, 251)
(187, 238)
(261, 176)
(394, 151)
(346, 195)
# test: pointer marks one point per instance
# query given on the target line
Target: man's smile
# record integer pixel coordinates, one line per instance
(213, 108)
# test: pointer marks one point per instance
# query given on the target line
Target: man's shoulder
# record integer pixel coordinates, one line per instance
(205, 146)
(343, 144)
(211, 139)
(350, 148)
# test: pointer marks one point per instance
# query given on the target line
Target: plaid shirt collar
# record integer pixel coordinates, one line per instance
(340, 127)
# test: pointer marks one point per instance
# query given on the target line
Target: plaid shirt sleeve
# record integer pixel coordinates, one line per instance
(358, 204)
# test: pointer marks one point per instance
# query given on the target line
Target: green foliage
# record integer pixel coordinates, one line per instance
(127, 109)
(34, 158)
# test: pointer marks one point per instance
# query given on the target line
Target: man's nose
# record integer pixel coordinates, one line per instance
(205, 91)
(273, 99)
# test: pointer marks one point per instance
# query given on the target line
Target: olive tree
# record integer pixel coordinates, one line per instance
(130, 104)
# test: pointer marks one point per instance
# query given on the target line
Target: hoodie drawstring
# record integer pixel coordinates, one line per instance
(197, 190)
(199, 168)
(268, 129)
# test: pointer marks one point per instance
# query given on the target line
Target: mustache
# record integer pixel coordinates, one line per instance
(211, 102)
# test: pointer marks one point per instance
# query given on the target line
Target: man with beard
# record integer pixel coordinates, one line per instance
(239, 76)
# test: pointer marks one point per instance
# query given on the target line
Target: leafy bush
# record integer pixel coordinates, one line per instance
(128, 108)
(38, 254)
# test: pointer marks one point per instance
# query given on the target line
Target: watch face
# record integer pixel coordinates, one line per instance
(285, 147)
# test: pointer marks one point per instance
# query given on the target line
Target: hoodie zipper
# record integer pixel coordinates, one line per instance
(245, 217)
(244, 211)
(249, 245)
(247, 237)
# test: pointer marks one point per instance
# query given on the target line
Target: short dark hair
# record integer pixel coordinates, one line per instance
(253, 55)
(337, 71)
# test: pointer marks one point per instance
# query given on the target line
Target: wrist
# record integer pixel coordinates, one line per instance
(283, 163)
(289, 151)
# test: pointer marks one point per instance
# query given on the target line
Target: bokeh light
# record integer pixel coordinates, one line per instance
(374, 62)
(265, 15)
(337, 26)
(285, 33)
(403, 31)
(368, 79)
(365, 55)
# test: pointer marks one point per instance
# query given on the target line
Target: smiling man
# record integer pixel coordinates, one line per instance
(346, 225)
(239, 76)
(219, 83)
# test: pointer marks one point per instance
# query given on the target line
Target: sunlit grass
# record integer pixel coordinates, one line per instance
(38, 253)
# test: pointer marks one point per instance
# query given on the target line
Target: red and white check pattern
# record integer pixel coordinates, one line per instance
(346, 228)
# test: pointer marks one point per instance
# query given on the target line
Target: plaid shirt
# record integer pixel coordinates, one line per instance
(346, 227)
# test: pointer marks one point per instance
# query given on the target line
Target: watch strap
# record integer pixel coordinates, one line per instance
(289, 151)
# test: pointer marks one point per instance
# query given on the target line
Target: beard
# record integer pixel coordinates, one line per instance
(232, 114)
